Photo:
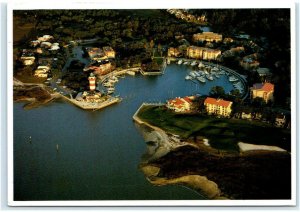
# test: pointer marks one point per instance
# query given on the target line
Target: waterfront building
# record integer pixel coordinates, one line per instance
(180, 104)
(92, 82)
(96, 54)
(218, 107)
(89, 97)
(203, 53)
(207, 36)
(99, 68)
(173, 52)
(262, 90)
(109, 52)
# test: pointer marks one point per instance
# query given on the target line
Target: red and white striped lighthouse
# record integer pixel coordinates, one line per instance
(92, 80)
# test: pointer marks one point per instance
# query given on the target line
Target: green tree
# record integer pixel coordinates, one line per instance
(217, 91)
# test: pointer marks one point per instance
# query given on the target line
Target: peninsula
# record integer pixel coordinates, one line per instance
(212, 164)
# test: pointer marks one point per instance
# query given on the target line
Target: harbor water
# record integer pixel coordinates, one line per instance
(64, 153)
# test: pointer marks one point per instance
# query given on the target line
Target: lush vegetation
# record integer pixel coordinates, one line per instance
(222, 133)
(137, 35)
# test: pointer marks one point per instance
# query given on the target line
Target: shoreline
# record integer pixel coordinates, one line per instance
(199, 183)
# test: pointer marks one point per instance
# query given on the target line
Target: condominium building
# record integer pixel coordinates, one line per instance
(218, 107)
(109, 52)
(207, 36)
(180, 104)
(203, 53)
(262, 90)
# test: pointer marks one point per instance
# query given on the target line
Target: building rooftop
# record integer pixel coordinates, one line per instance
(268, 87)
(218, 102)
(263, 71)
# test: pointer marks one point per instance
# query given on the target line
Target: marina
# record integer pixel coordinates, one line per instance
(212, 72)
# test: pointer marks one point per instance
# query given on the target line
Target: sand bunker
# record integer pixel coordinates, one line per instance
(250, 147)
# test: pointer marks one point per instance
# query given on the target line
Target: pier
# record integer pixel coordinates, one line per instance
(118, 72)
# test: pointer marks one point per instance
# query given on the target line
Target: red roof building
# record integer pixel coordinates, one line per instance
(263, 90)
(180, 104)
(218, 106)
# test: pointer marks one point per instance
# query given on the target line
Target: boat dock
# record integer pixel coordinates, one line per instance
(227, 70)
(119, 72)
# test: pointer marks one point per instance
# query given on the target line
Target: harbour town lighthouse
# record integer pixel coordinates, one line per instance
(92, 81)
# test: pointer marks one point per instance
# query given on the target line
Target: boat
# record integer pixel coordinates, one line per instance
(107, 84)
(209, 77)
(186, 63)
(197, 74)
(188, 77)
(201, 72)
(192, 74)
(200, 65)
(215, 69)
(217, 75)
(194, 63)
(201, 79)
(110, 90)
(179, 62)
(238, 85)
(132, 73)
(233, 79)
(113, 79)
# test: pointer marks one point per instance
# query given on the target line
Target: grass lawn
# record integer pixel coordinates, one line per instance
(222, 133)
(159, 60)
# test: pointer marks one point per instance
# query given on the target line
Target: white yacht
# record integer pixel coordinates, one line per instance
(188, 77)
(233, 79)
(194, 63)
(200, 65)
(201, 79)
(209, 77)
(192, 74)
